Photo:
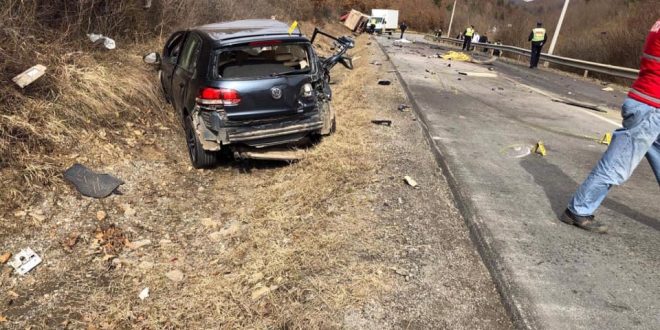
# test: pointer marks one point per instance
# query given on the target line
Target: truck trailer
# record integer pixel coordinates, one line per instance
(385, 20)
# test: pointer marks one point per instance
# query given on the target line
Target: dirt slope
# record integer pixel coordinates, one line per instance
(336, 240)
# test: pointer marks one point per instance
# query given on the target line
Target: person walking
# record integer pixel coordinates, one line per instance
(639, 137)
(403, 28)
(467, 38)
(538, 37)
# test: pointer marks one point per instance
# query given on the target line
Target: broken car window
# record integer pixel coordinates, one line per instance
(262, 61)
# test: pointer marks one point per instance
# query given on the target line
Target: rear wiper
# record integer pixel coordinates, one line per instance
(277, 74)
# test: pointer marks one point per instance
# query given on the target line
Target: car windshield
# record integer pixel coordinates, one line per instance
(263, 61)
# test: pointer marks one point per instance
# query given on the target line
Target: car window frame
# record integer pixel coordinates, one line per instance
(178, 38)
(194, 55)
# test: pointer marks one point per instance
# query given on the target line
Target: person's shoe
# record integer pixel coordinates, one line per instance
(587, 223)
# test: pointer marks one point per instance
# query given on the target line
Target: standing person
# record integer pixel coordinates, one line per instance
(639, 137)
(467, 38)
(403, 28)
(538, 37)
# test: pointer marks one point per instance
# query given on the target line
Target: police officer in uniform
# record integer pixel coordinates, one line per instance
(538, 38)
(467, 38)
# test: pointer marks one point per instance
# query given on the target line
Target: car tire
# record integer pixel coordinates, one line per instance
(199, 157)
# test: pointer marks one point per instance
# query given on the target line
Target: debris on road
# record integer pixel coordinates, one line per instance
(539, 148)
(376, 63)
(30, 75)
(90, 183)
(384, 82)
(25, 261)
(458, 56)
(608, 89)
(402, 41)
(144, 294)
(581, 104)
(403, 107)
(100, 40)
(174, 275)
(478, 74)
(4, 257)
(385, 122)
(410, 181)
(606, 139)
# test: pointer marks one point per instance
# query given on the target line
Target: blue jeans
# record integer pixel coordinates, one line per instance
(639, 137)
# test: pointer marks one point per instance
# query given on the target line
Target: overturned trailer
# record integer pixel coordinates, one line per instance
(356, 21)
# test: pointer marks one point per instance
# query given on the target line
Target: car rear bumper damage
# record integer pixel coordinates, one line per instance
(214, 132)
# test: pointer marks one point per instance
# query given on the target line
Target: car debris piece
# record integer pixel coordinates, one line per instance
(385, 122)
(384, 82)
(25, 261)
(30, 75)
(90, 183)
(410, 181)
(403, 107)
(608, 89)
(144, 294)
(269, 154)
(100, 40)
(581, 104)
(478, 74)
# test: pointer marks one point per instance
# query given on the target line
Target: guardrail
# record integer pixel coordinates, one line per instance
(616, 71)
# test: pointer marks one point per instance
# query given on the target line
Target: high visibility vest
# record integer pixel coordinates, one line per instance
(539, 34)
(469, 32)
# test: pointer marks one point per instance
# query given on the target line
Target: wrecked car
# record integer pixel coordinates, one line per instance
(247, 85)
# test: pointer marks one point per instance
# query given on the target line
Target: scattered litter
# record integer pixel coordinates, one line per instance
(606, 139)
(539, 148)
(25, 261)
(585, 105)
(410, 181)
(90, 183)
(144, 294)
(384, 82)
(174, 275)
(99, 39)
(4, 257)
(403, 107)
(30, 75)
(478, 74)
(608, 89)
(458, 56)
(402, 41)
(386, 122)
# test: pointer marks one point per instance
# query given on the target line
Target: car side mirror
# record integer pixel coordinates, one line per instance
(347, 62)
(152, 58)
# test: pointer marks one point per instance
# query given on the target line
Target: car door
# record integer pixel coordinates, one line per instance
(169, 60)
(184, 72)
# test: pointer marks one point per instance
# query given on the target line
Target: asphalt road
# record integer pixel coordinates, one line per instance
(550, 275)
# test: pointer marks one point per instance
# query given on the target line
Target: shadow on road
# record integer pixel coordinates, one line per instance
(559, 188)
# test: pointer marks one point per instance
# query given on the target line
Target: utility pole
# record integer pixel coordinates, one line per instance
(451, 20)
(556, 34)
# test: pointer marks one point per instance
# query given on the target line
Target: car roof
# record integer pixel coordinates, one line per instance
(224, 31)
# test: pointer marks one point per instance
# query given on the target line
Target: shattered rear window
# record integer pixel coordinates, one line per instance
(263, 61)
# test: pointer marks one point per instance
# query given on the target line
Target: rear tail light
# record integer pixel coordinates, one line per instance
(215, 96)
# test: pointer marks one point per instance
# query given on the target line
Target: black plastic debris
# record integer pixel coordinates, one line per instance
(90, 183)
(384, 82)
(403, 107)
(385, 122)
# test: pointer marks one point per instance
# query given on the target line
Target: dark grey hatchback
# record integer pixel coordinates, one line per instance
(247, 84)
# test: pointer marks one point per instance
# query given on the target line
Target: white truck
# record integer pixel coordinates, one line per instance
(385, 20)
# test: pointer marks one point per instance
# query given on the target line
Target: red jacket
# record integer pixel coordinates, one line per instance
(646, 88)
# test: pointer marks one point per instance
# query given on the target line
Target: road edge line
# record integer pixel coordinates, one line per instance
(478, 233)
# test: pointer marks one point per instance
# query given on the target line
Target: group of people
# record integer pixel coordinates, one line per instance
(638, 138)
(537, 37)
